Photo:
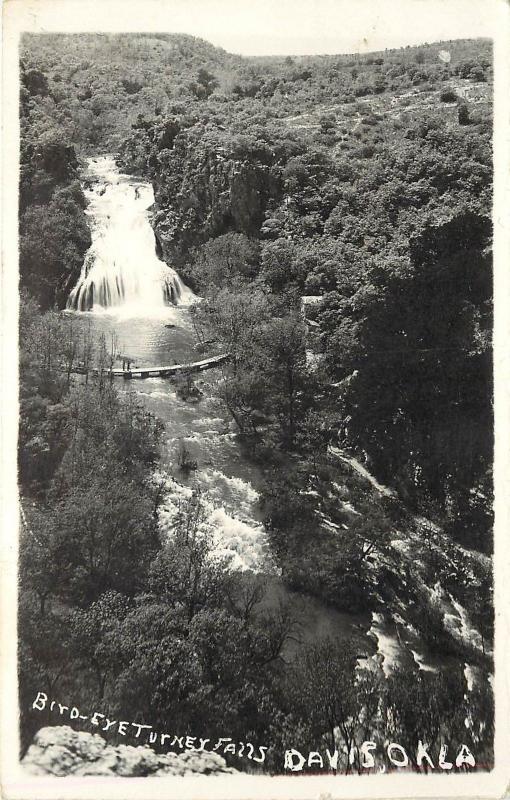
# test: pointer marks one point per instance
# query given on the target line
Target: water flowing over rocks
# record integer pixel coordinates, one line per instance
(121, 268)
(242, 541)
(61, 751)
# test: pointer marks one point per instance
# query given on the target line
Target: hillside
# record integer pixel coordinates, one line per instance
(95, 86)
(333, 213)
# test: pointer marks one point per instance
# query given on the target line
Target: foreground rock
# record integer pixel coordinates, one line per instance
(61, 751)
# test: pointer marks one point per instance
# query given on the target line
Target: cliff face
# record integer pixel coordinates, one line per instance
(207, 195)
(207, 181)
(61, 751)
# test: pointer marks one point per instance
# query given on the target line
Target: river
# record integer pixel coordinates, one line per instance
(127, 292)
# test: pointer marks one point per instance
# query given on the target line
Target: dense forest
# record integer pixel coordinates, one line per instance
(333, 212)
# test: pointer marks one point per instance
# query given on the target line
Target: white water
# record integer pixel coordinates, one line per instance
(121, 271)
(243, 542)
(355, 464)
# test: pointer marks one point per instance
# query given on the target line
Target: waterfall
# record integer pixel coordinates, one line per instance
(121, 270)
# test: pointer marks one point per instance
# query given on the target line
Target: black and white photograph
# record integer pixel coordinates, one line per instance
(248, 295)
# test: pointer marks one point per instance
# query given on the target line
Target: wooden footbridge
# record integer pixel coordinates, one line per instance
(173, 369)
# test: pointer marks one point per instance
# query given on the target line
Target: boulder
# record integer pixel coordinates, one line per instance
(61, 751)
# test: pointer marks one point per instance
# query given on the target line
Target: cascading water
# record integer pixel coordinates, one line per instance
(121, 270)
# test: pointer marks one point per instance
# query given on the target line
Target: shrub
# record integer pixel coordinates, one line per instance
(184, 458)
(186, 389)
(448, 95)
(463, 113)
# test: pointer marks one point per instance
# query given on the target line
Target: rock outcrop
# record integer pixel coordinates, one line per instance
(208, 180)
(203, 190)
(61, 751)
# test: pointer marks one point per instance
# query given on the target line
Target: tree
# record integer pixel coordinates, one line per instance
(205, 85)
(238, 659)
(448, 95)
(314, 433)
(186, 573)
(233, 316)
(95, 633)
(44, 658)
(278, 268)
(53, 241)
(39, 570)
(158, 669)
(368, 535)
(431, 707)
(70, 348)
(35, 81)
(106, 357)
(221, 261)
(463, 114)
(420, 341)
(267, 375)
(280, 357)
(324, 690)
(44, 414)
(107, 533)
